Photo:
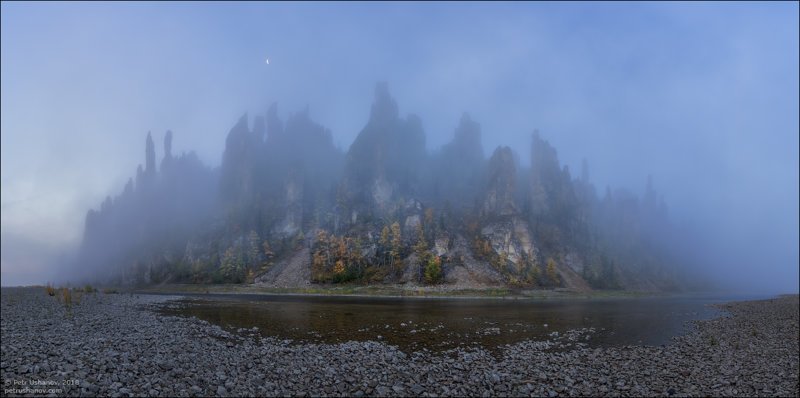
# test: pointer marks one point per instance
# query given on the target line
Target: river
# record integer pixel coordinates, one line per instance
(442, 323)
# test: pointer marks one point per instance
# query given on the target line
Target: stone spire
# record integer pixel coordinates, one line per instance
(167, 160)
(502, 176)
(384, 107)
(150, 156)
(168, 145)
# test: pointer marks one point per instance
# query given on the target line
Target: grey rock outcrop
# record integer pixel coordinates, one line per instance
(384, 161)
(499, 200)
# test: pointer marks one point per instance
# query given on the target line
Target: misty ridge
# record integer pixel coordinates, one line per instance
(288, 208)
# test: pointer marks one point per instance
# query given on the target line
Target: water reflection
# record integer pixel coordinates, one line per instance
(437, 324)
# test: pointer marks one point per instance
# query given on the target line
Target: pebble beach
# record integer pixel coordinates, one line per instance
(118, 345)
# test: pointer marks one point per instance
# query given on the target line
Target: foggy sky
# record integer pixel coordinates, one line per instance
(703, 96)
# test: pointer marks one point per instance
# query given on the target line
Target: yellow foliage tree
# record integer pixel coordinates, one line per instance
(250, 277)
(537, 273)
(502, 261)
(320, 258)
(268, 253)
(318, 266)
(552, 274)
(338, 269)
(231, 265)
(396, 242)
(421, 247)
(433, 269)
(384, 244)
(384, 236)
(341, 247)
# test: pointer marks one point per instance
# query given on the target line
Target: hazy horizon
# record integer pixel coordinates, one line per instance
(702, 96)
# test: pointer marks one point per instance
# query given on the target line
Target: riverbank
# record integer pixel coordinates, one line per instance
(388, 291)
(115, 345)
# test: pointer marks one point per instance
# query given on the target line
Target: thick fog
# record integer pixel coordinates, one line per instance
(703, 97)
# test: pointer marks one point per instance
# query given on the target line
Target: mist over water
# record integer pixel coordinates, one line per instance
(702, 97)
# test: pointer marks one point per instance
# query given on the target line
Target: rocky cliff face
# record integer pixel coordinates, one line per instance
(293, 205)
(505, 240)
(384, 160)
(286, 205)
(460, 167)
(238, 160)
(500, 191)
(139, 235)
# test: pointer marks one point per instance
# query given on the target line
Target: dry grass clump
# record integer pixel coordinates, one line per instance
(66, 296)
(86, 289)
(51, 291)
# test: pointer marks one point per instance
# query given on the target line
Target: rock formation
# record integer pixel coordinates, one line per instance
(286, 205)
(500, 191)
(384, 159)
(460, 166)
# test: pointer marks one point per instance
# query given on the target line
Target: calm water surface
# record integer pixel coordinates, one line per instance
(436, 324)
